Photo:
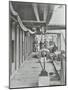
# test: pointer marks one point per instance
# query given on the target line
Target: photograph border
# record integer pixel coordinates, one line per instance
(65, 47)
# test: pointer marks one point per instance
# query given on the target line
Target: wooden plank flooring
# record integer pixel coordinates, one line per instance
(28, 74)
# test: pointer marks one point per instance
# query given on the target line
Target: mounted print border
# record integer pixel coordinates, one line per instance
(37, 44)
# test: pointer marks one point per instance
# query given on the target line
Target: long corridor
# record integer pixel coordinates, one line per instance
(28, 74)
(37, 44)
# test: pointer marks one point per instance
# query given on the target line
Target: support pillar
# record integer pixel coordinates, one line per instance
(14, 47)
(10, 49)
(21, 47)
(23, 53)
(24, 46)
(17, 48)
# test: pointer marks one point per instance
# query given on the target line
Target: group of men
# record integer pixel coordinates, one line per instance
(51, 46)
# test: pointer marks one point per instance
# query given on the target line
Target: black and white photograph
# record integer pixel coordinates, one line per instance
(37, 44)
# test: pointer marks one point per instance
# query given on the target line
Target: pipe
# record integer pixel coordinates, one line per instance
(19, 20)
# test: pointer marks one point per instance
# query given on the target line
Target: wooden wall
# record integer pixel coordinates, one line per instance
(20, 45)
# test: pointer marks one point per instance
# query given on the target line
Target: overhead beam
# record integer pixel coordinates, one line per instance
(32, 21)
(38, 23)
(55, 27)
(36, 11)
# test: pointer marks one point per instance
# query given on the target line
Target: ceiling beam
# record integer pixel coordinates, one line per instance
(32, 21)
(36, 11)
(55, 27)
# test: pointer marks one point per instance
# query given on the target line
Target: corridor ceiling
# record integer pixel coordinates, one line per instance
(35, 14)
(33, 11)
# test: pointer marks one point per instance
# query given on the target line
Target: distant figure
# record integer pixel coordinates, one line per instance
(41, 45)
(35, 45)
(45, 43)
(52, 47)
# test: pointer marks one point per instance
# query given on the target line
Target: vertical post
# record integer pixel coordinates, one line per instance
(20, 46)
(17, 48)
(44, 62)
(28, 44)
(59, 41)
(23, 37)
(24, 45)
(13, 38)
(31, 43)
(10, 49)
(63, 72)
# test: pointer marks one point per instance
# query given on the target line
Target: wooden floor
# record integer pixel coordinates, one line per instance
(28, 74)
